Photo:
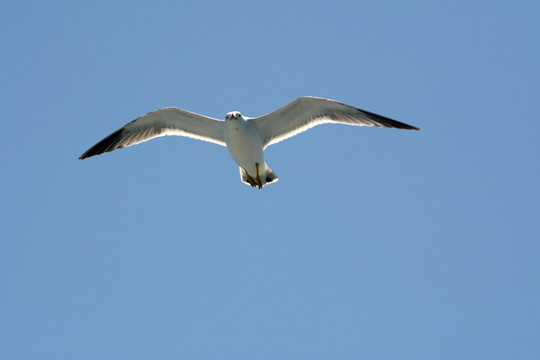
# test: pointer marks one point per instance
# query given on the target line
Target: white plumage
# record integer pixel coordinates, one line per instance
(245, 138)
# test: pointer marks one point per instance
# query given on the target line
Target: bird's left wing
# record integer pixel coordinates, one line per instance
(307, 112)
(167, 121)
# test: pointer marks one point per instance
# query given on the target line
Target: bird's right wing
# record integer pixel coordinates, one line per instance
(167, 121)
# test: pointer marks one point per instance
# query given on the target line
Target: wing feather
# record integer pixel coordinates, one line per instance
(307, 112)
(166, 121)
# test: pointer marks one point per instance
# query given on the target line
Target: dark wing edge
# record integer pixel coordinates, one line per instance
(112, 142)
(372, 119)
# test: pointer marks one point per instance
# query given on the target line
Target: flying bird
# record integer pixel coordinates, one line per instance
(245, 138)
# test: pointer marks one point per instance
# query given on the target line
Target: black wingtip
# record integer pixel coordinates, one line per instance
(410, 127)
(86, 155)
(399, 125)
(110, 143)
(388, 122)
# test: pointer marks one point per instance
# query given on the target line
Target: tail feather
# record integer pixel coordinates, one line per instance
(266, 175)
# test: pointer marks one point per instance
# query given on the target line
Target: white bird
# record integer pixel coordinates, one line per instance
(245, 138)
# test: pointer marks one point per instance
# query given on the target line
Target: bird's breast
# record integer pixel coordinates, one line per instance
(244, 143)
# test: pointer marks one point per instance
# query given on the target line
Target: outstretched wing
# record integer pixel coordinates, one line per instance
(167, 121)
(307, 112)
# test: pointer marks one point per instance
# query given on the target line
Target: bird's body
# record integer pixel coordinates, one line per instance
(245, 138)
(246, 148)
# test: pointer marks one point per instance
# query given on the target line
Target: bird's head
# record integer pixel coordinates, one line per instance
(233, 115)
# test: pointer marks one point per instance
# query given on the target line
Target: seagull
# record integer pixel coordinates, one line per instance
(245, 138)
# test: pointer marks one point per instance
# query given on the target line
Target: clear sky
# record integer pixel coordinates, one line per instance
(375, 243)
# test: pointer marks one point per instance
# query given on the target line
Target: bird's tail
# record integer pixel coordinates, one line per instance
(266, 176)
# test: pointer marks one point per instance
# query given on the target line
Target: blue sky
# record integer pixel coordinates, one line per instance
(375, 243)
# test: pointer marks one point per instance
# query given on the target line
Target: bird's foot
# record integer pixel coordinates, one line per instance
(250, 180)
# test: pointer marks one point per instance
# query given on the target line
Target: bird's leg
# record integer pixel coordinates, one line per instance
(250, 179)
(259, 182)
